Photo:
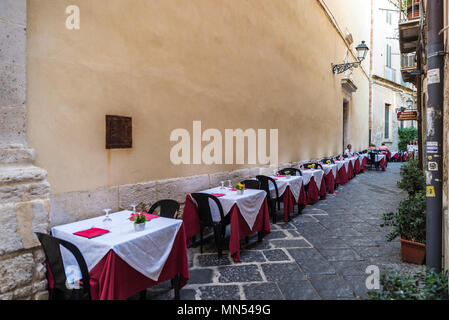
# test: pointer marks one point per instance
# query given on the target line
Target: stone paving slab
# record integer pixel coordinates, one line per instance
(320, 254)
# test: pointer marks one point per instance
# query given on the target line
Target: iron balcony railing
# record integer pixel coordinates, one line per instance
(408, 61)
(390, 74)
(410, 10)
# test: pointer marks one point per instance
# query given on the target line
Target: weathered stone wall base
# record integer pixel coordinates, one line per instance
(75, 206)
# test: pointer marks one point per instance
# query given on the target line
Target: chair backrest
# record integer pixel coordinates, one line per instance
(251, 184)
(323, 161)
(168, 208)
(204, 209)
(317, 165)
(291, 170)
(52, 250)
(265, 185)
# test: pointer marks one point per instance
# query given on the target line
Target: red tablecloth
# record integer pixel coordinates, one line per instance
(114, 279)
(330, 182)
(365, 164)
(312, 192)
(357, 167)
(342, 176)
(405, 156)
(322, 192)
(383, 164)
(290, 201)
(350, 170)
(239, 226)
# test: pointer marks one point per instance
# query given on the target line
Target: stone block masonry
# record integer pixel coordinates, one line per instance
(24, 189)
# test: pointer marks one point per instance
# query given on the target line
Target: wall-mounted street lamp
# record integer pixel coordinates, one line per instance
(362, 50)
(409, 103)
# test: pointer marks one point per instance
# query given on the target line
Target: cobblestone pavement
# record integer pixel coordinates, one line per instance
(320, 254)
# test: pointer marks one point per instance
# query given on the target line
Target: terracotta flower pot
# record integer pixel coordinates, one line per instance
(413, 252)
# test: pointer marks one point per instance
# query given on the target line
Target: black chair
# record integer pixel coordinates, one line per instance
(205, 216)
(317, 165)
(372, 160)
(251, 184)
(265, 185)
(168, 208)
(291, 170)
(60, 291)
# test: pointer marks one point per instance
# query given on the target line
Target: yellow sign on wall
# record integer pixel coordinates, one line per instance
(430, 191)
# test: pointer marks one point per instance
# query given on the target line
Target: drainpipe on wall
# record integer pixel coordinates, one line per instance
(434, 146)
(420, 112)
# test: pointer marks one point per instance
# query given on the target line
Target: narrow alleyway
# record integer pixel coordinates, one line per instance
(321, 254)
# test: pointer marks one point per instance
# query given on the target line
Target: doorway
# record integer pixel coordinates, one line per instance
(345, 124)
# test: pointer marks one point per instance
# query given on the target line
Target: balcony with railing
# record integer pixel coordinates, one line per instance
(408, 66)
(411, 13)
(390, 74)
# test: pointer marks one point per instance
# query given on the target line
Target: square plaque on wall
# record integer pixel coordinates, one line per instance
(119, 133)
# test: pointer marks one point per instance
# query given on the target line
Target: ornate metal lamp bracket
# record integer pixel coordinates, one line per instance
(340, 68)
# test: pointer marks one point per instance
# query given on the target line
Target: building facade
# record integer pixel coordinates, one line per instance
(389, 92)
(167, 65)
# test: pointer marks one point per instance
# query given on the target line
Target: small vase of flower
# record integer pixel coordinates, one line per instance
(287, 174)
(139, 220)
(311, 166)
(240, 188)
(328, 162)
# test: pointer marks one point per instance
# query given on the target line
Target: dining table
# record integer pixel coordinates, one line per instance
(380, 159)
(248, 214)
(291, 190)
(330, 176)
(123, 261)
(316, 185)
(343, 167)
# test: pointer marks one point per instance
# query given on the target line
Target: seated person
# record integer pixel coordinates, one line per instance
(372, 147)
(348, 151)
(383, 147)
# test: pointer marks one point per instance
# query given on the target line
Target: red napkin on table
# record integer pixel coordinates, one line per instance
(281, 175)
(91, 233)
(150, 216)
(218, 194)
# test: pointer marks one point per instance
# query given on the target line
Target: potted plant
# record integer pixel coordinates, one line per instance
(311, 166)
(426, 284)
(240, 188)
(409, 223)
(139, 220)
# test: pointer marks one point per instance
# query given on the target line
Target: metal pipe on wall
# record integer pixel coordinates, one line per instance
(434, 145)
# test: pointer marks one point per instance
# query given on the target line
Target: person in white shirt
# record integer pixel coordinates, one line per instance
(411, 149)
(348, 151)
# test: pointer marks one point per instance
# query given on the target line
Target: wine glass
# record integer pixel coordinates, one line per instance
(134, 208)
(229, 184)
(107, 221)
(222, 185)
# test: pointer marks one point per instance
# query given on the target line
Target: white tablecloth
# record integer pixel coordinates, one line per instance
(249, 203)
(309, 173)
(295, 184)
(379, 157)
(353, 159)
(146, 251)
(344, 162)
(328, 167)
